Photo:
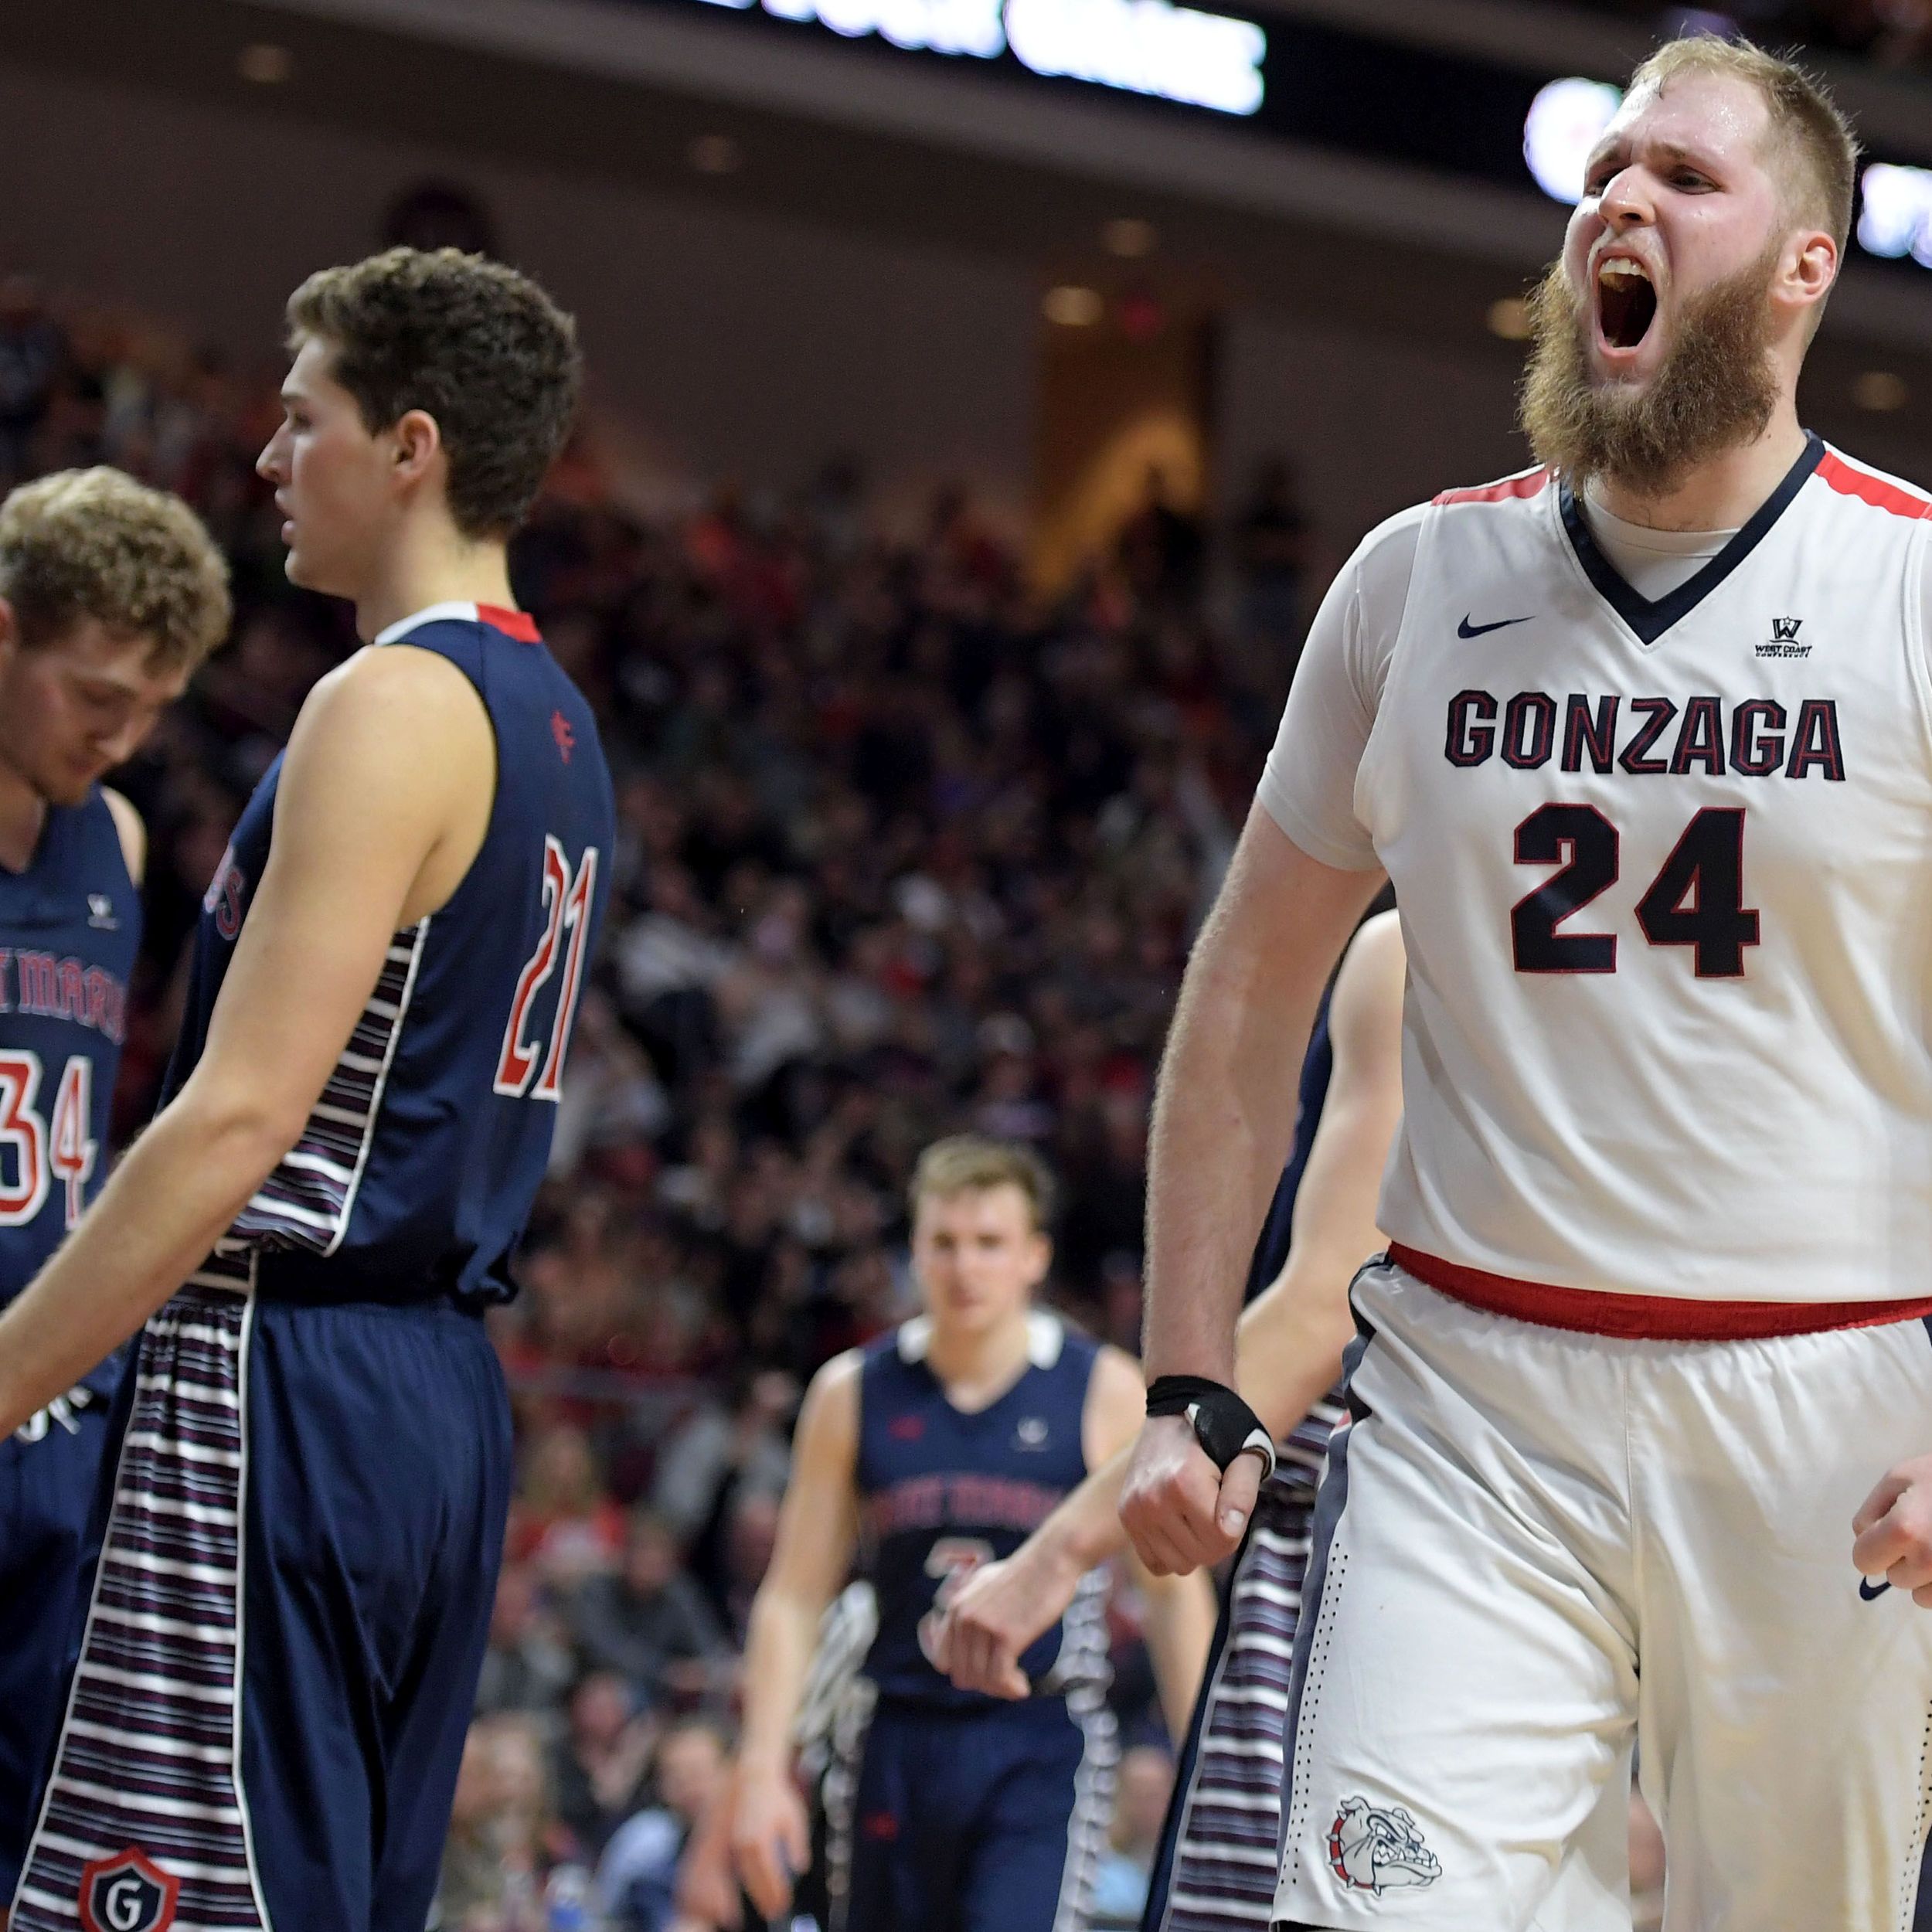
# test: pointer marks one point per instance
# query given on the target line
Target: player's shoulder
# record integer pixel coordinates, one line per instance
(844, 1369)
(1384, 561)
(1856, 483)
(417, 691)
(471, 623)
(835, 1384)
(1376, 945)
(827, 1431)
(1521, 487)
(130, 829)
(1112, 1371)
(1366, 1004)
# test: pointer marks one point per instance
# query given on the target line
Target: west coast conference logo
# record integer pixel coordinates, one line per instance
(127, 1893)
(1783, 641)
(1141, 46)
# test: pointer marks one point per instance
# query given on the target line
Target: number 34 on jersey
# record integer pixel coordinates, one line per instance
(39, 1149)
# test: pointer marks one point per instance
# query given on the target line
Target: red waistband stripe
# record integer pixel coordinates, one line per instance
(1646, 1317)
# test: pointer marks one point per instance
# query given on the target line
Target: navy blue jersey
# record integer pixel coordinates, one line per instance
(1271, 1250)
(416, 1172)
(942, 1492)
(69, 927)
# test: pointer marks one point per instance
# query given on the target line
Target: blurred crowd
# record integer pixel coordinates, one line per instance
(905, 847)
(1892, 33)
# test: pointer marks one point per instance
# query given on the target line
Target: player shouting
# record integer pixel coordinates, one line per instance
(1643, 737)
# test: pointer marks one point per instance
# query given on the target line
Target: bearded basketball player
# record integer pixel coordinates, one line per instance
(1643, 737)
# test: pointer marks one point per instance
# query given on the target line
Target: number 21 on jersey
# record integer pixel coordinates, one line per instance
(567, 899)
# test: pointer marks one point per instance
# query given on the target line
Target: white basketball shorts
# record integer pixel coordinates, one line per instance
(1531, 1543)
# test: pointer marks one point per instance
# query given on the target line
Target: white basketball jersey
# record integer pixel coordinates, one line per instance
(1665, 875)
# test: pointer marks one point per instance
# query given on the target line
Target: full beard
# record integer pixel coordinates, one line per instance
(1714, 391)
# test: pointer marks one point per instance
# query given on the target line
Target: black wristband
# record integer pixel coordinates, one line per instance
(1223, 1424)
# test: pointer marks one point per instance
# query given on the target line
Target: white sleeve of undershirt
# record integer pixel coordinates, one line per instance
(1307, 787)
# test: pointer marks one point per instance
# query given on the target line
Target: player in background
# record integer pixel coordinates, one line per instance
(110, 594)
(1216, 1870)
(942, 1445)
(1290, 1349)
(313, 1439)
(1642, 737)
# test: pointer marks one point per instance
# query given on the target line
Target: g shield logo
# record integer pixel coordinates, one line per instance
(127, 1893)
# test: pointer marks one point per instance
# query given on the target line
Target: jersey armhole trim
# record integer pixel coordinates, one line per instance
(1917, 594)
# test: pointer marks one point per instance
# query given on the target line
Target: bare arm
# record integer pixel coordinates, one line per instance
(1179, 1633)
(388, 775)
(1292, 1337)
(1289, 1343)
(818, 1531)
(1180, 1609)
(1224, 1110)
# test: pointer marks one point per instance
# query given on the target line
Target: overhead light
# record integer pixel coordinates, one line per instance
(1880, 390)
(1896, 216)
(1073, 308)
(1565, 120)
(715, 154)
(1509, 318)
(265, 63)
(1130, 237)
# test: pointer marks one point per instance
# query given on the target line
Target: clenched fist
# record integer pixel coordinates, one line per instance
(1179, 1511)
(1893, 1529)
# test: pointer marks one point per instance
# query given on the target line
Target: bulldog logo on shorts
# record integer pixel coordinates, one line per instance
(127, 1893)
(1372, 1850)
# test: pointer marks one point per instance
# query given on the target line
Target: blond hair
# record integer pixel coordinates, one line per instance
(972, 1162)
(83, 544)
(1815, 148)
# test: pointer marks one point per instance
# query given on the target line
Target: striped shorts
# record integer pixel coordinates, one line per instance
(287, 1620)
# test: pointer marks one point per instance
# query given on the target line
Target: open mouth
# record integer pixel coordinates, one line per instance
(1626, 302)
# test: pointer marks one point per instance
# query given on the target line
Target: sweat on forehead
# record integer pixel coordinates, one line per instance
(1797, 130)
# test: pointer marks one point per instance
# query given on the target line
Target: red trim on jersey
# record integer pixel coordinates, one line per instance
(519, 625)
(1647, 1317)
(1529, 484)
(1833, 470)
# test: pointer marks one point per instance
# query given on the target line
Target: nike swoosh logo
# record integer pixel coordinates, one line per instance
(1870, 1591)
(1466, 629)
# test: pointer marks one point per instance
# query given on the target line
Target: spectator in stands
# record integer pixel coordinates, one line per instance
(599, 1763)
(744, 1446)
(528, 1666)
(1163, 550)
(1270, 547)
(637, 1879)
(33, 352)
(563, 1520)
(511, 1864)
(647, 1621)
